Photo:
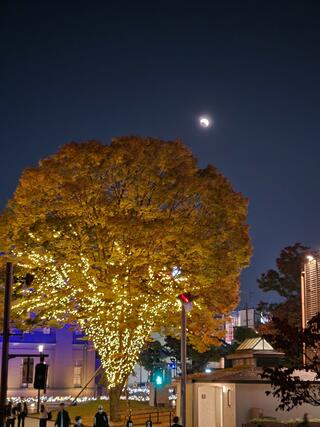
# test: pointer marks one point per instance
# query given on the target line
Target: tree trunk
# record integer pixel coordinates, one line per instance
(114, 400)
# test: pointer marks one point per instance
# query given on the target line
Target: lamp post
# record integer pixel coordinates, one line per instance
(40, 349)
(186, 305)
(5, 341)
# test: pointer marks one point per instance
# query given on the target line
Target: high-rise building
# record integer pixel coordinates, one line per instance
(310, 287)
(248, 317)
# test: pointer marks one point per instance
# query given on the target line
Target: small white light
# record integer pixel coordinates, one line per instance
(207, 370)
(40, 348)
(310, 257)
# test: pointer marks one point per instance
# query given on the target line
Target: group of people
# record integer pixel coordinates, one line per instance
(19, 412)
(63, 419)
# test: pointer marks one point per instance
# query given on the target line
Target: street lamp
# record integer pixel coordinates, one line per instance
(186, 305)
(40, 349)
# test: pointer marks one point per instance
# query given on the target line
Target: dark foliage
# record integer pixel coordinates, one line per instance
(286, 282)
(288, 386)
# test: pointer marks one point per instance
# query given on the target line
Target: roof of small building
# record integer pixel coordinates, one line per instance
(242, 374)
(230, 375)
(255, 347)
(257, 343)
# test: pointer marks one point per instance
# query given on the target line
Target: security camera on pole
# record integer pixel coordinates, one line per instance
(186, 305)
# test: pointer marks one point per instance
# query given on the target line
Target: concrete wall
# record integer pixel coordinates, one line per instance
(250, 396)
(239, 401)
(189, 403)
(63, 360)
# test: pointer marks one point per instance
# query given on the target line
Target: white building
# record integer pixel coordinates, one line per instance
(232, 397)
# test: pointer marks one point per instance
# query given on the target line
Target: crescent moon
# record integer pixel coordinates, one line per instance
(204, 122)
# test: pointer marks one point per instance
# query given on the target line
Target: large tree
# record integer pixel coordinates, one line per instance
(103, 227)
(286, 282)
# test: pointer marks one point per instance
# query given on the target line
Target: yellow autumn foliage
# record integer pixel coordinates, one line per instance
(102, 228)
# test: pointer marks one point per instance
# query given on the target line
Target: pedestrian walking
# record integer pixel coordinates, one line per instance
(101, 418)
(10, 415)
(23, 414)
(43, 416)
(176, 422)
(78, 422)
(305, 422)
(18, 413)
(63, 419)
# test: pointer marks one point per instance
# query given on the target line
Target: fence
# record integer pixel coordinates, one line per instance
(138, 419)
(156, 417)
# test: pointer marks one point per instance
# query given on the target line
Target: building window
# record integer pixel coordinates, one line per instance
(77, 374)
(27, 371)
(46, 331)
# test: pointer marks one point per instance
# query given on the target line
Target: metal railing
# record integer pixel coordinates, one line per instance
(156, 417)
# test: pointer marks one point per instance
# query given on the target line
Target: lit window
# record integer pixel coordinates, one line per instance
(77, 373)
(27, 371)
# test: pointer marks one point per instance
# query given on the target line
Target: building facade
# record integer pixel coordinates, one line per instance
(310, 288)
(71, 362)
(234, 396)
(248, 317)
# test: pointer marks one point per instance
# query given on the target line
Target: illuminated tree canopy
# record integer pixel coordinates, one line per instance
(105, 228)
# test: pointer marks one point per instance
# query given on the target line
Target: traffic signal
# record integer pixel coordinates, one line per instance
(161, 377)
(40, 376)
(159, 380)
(186, 297)
(157, 377)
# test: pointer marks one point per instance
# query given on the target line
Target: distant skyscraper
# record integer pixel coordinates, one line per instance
(249, 318)
(310, 288)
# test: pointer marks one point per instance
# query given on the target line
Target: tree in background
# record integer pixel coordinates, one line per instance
(289, 385)
(286, 282)
(197, 360)
(153, 354)
(112, 234)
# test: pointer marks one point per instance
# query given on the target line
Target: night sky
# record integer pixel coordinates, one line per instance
(78, 70)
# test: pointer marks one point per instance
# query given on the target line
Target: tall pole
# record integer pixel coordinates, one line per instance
(5, 342)
(183, 364)
(247, 318)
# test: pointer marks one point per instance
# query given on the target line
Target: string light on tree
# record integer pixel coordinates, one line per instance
(101, 228)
